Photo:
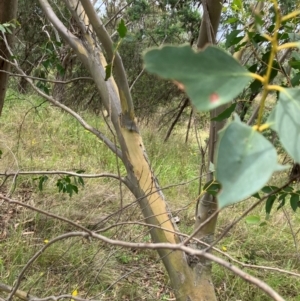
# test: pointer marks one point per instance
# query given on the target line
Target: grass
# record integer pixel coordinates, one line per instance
(36, 136)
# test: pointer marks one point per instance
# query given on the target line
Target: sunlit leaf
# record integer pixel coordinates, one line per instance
(252, 219)
(122, 29)
(237, 4)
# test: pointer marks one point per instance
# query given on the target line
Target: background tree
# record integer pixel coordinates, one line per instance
(8, 11)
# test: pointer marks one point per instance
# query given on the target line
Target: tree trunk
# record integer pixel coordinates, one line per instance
(207, 205)
(8, 12)
(190, 282)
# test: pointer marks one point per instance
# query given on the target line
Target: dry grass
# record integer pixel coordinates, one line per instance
(45, 138)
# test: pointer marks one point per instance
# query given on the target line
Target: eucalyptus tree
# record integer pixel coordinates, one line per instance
(191, 281)
(211, 78)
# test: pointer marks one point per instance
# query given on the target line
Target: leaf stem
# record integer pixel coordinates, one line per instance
(274, 49)
(290, 15)
(276, 88)
(288, 45)
(258, 77)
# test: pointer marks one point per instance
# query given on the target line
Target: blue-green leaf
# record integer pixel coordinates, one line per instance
(245, 161)
(210, 77)
(287, 121)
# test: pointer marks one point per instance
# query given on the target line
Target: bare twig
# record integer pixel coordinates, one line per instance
(47, 80)
(20, 294)
(136, 79)
(153, 246)
(248, 211)
(138, 245)
(62, 172)
(292, 231)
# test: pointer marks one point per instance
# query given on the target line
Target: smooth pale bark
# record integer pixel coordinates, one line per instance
(188, 283)
(8, 12)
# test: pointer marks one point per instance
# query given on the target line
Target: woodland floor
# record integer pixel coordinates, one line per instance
(41, 137)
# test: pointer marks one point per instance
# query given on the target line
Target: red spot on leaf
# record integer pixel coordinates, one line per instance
(214, 97)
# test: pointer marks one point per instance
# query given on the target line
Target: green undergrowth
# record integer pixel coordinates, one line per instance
(37, 136)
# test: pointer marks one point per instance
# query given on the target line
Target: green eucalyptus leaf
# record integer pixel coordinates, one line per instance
(232, 38)
(294, 37)
(287, 121)
(269, 189)
(80, 181)
(212, 187)
(245, 161)
(75, 188)
(294, 201)
(231, 20)
(108, 69)
(43, 179)
(295, 81)
(287, 189)
(252, 219)
(122, 29)
(8, 30)
(295, 64)
(237, 4)
(225, 114)
(256, 195)
(269, 203)
(210, 77)
(282, 199)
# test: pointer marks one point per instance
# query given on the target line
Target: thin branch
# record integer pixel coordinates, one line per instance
(152, 246)
(47, 80)
(62, 172)
(292, 231)
(20, 294)
(10, 201)
(247, 211)
(90, 233)
(104, 38)
(56, 103)
(212, 216)
(245, 265)
(119, 11)
(136, 79)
